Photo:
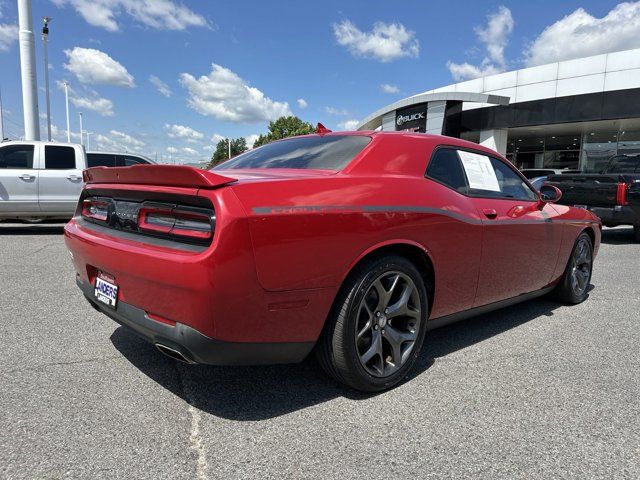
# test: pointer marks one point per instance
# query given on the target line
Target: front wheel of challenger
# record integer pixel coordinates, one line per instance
(574, 284)
(377, 325)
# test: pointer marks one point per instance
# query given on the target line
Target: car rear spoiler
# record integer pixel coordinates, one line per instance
(163, 175)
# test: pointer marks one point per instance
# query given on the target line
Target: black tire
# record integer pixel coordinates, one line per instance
(636, 233)
(339, 348)
(574, 284)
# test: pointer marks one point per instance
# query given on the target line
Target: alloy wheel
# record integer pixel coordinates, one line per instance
(388, 323)
(581, 267)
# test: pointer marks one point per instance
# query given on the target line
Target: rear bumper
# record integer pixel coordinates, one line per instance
(193, 345)
(613, 216)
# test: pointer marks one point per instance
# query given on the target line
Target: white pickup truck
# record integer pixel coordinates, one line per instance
(44, 179)
(40, 179)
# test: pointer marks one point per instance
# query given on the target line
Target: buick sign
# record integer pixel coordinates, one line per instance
(402, 119)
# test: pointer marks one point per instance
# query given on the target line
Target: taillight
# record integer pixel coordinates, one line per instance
(621, 194)
(96, 209)
(156, 219)
(185, 222)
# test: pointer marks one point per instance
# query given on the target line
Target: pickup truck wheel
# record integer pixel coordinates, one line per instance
(574, 284)
(377, 325)
(636, 233)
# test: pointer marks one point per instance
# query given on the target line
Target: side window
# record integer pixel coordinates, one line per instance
(511, 184)
(445, 167)
(59, 158)
(490, 177)
(16, 156)
(101, 160)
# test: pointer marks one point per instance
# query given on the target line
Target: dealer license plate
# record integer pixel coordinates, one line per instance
(106, 290)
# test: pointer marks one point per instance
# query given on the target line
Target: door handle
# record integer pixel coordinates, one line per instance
(74, 178)
(490, 213)
(26, 176)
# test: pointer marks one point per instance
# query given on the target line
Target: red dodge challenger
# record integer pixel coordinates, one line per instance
(351, 245)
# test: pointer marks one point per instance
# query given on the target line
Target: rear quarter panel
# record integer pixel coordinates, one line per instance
(575, 221)
(309, 234)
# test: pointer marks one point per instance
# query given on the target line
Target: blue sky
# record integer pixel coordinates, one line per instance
(170, 77)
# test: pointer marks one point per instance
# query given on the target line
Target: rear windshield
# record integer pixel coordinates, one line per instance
(624, 164)
(326, 153)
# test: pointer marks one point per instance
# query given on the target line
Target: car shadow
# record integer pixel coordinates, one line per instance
(617, 236)
(258, 393)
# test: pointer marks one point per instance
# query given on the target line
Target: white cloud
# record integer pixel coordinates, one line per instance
(225, 96)
(466, 71)
(119, 142)
(158, 14)
(217, 137)
(126, 139)
(251, 139)
(8, 35)
(386, 42)
(183, 132)
(580, 34)
(96, 67)
(162, 87)
(339, 112)
(494, 36)
(302, 103)
(388, 88)
(172, 150)
(60, 135)
(190, 151)
(349, 124)
(89, 100)
(102, 106)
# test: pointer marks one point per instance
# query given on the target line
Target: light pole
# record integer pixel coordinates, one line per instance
(45, 49)
(229, 142)
(28, 72)
(66, 99)
(81, 132)
(89, 140)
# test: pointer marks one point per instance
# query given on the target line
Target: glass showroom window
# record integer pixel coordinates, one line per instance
(629, 143)
(529, 151)
(597, 150)
(562, 151)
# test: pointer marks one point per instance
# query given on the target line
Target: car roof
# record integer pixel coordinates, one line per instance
(396, 135)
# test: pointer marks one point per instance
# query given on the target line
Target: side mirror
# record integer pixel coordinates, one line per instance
(549, 194)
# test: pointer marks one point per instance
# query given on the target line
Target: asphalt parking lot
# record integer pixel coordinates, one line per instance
(538, 390)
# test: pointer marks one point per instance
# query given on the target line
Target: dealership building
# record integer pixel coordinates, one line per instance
(572, 114)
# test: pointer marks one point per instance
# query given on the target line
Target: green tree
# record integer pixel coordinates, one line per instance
(284, 127)
(221, 153)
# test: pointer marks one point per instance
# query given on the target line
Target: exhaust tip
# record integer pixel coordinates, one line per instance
(173, 353)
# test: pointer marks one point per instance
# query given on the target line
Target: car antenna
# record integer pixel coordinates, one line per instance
(321, 129)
